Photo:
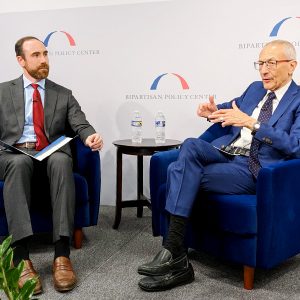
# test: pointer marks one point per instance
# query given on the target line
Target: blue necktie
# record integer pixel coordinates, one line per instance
(264, 116)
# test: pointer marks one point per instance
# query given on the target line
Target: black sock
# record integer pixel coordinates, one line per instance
(62, 247)
(21, 250)
(175, 238)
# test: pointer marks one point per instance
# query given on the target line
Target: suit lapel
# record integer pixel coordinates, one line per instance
(17, 94)
(249, 106)
(50, 103)
(284, 103)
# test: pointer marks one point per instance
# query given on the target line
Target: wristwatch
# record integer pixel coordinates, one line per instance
(256, 127)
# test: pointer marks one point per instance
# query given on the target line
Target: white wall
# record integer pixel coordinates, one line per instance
(121, 49)
(33, 5)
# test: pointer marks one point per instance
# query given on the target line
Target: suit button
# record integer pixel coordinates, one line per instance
(269, 141)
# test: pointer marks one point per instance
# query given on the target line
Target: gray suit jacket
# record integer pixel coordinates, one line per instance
(61, 110)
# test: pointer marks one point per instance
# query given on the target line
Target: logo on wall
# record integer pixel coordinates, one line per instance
(66, 48)
(182, 88)
(275, 29)
(273, 34)
(183, 82)
(68, 35)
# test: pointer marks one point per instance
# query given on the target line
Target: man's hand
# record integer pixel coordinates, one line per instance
(206, 109)
(232, 117)
(94, 141)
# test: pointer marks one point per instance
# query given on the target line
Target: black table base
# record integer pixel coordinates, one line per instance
(147, 148)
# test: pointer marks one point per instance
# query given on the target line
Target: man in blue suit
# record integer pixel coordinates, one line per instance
(264, 128)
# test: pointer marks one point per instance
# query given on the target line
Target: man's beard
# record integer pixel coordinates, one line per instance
(39, 73)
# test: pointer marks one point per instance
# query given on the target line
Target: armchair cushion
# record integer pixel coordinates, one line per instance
(230, 213)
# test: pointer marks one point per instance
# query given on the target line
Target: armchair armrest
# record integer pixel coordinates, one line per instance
(278, 213)
(87, 164)
(158, 169)
(158, 176)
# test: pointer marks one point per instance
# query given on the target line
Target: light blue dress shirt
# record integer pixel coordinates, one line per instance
(28, 130)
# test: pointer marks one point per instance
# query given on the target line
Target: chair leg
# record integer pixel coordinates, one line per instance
(248, 277)
(77, 236)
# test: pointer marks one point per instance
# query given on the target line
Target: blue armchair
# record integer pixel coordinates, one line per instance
(256, 231)
(87, 184)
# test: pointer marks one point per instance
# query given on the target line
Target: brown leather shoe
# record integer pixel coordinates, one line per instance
(63, 274)
(28, 273)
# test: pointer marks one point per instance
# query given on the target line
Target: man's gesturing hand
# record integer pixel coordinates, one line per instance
(206, 109)
(232, 117)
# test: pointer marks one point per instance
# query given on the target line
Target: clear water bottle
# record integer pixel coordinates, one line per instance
(160, 125)
(136, 127)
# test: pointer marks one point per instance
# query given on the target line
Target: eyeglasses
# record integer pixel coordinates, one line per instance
(270, 64)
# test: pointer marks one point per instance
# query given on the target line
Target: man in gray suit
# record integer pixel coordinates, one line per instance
(18, 127)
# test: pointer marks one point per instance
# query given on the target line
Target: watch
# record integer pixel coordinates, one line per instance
(256, 127)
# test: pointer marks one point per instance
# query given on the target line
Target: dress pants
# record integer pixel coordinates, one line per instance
(201, 167)
(17, 171)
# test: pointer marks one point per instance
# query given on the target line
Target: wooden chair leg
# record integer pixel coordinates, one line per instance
(77, 236)
(248, 277)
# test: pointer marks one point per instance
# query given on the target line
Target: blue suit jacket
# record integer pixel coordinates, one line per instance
(280, 137)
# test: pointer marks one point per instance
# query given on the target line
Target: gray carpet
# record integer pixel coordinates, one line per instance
(106, 267)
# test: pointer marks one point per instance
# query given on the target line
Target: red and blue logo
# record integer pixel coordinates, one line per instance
(183, 82)
(276, 28)
(68, 35)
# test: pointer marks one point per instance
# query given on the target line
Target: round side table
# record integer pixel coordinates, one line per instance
(146, 148)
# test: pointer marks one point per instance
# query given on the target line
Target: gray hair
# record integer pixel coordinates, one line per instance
(289, 48)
